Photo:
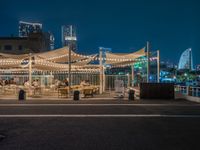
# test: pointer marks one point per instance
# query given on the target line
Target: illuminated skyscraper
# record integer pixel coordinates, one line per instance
(186, 60)
(198, 67)
(51, 41)
(69, 36)
(25, 28)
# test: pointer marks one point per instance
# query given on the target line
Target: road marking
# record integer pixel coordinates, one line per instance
(33, 105)
(101, 116)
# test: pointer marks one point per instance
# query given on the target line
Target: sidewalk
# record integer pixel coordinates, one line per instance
(105, 96)
(94, 101)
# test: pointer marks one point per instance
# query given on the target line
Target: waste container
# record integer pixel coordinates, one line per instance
(22, 95)
(76, 95)
(131, 94)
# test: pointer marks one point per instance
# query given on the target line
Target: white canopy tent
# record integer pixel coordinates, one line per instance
(122, 58)
(53, 60)
(57, 60)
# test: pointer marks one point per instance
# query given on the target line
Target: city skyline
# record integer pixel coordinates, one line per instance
(98, 24)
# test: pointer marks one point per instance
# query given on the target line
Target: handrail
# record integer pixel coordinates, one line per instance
(188, 90)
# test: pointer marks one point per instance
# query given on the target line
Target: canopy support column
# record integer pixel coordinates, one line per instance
(132, 75)
(30, 70)
(158, 66)
(69, 68)
(128, 84)
(42, 79)
(101, 70)
(51, 78)
(104, 79)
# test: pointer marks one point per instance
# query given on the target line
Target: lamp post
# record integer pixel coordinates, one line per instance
(71, 38)
(69, 68)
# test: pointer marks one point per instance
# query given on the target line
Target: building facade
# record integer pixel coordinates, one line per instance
(48, 39)
(68, 35)
(34, 43)
(52, 41)
(26, 28)
(186, 60)
(13, 45)
(198, 68)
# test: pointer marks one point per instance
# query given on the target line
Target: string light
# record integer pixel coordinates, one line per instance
(50, 62)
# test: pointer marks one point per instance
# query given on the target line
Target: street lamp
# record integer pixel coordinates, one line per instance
(71, 38)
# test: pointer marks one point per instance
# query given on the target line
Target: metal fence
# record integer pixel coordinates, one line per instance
(110, 81)
(194, 91)
(187, 90)
(47, 78)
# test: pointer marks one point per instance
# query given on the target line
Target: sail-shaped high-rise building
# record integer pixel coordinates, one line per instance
(186, 60)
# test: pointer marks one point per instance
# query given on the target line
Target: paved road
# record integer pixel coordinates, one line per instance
(96, 125)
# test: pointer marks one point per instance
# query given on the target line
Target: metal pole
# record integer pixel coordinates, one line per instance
(30, 69)
(104, 79)
(101, 70)
(148, 63)
(158, 66)
(128, 76)
(104, 76)
(69, 68)
(42, 79)
(132, 75)
(51, 78)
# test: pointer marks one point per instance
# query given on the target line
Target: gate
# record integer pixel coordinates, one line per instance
(110, 81)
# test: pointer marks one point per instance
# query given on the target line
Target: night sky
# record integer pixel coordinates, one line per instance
(170, 25)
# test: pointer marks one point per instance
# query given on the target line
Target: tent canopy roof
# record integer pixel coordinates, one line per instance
(122, 58)
(57, 59)
(51, 60)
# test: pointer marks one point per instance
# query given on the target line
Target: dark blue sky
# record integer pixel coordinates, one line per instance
(170, 25)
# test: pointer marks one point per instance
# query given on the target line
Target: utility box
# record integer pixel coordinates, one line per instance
(156, 90)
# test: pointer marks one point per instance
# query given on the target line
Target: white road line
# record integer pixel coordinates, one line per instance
(33, 105)
(101, 116)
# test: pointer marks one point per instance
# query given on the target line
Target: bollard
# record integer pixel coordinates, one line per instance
(131, 95)
(76, 95)
(22, 95)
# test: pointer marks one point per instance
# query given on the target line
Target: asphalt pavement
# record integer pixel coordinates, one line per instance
(99, 125)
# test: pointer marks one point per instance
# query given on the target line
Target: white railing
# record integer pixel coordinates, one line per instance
(194, 91)
(188, 90)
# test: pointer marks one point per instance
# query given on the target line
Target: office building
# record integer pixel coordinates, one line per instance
(26, 28)
(69, 36)
(34, 43)
(186, 60)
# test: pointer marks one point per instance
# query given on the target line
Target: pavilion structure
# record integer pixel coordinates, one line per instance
(55, 64)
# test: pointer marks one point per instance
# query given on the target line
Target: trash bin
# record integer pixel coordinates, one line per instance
(76, 95)
(131, 95)
(22, 95)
